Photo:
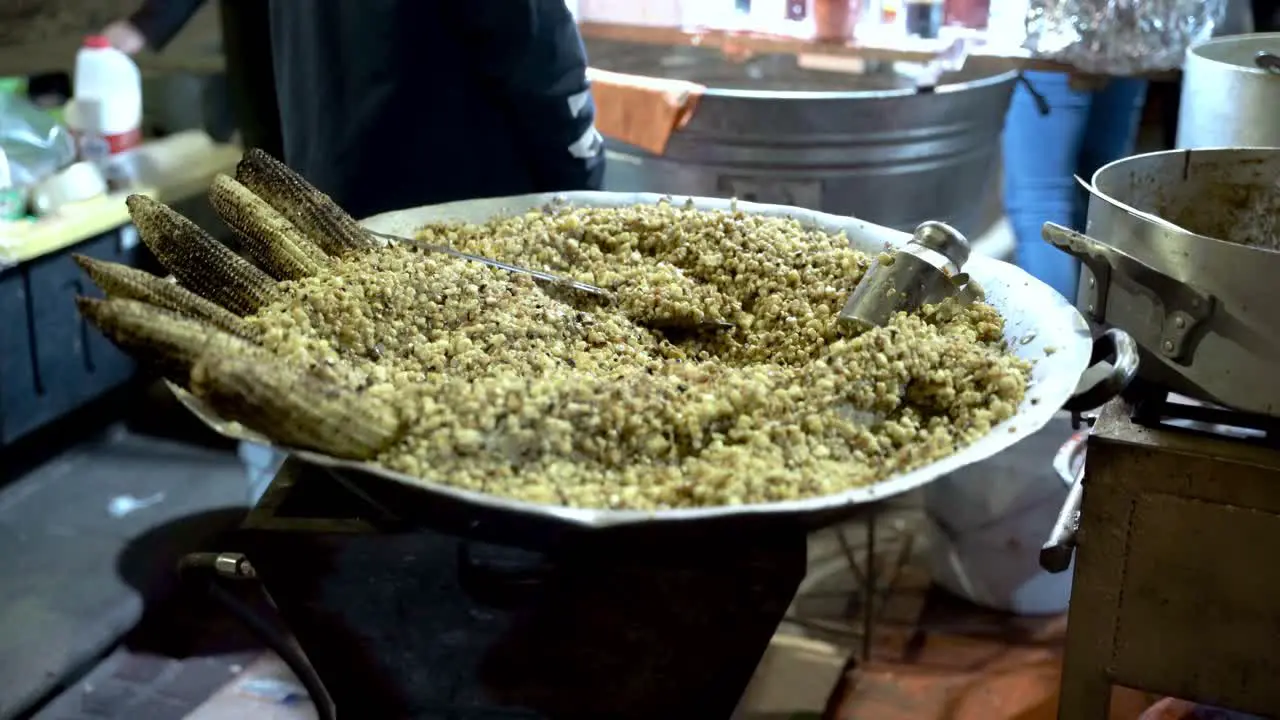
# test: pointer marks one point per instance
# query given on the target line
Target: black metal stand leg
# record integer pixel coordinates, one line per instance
(869, 589)
(873, 572)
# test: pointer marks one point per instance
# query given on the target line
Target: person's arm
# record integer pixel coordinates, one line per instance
(160, 20)
(531, 50)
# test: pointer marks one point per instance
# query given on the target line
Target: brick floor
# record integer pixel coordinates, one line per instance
(236, 702)
(76, 580)
(935, 657)
(144, 686)
(169, 665)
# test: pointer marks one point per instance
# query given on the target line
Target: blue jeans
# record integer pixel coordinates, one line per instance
(1083, 131)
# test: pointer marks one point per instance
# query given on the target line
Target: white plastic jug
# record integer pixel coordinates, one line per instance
(108, 99)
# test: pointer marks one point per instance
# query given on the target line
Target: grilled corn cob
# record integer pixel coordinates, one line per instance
(202, 264)
(166, 339)
(313, 212)
(122, 281)
(282, 249)
(293, 407)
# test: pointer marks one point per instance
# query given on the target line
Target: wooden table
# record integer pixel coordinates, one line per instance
(53, 363)
(23, 242)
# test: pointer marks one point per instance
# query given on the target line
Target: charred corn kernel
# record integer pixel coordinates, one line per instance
(166, 339)
(202, 264)
(129, 283)
(294, 407)
(310, 210)
(272, 240)
(511, 390)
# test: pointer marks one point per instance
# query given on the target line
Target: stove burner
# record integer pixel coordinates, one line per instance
(1160, 409)
(410, 608)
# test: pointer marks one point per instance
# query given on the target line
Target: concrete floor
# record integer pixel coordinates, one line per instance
(90, 537)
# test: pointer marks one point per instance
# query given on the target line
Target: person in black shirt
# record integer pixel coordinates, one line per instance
(388, 104)
(246, 43)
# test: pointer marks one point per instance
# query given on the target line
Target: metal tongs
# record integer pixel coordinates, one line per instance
(924, 271)
(546, 277)
(551, 279)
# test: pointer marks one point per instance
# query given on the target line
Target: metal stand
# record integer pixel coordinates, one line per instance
(1173, 591)
(408, 619)
(875, 566)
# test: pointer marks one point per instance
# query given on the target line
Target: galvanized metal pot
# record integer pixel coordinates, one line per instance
(1229, 96)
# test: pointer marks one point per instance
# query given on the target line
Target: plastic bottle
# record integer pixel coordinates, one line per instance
(972, 14)
(835, 20)
(892, 22)
(107, 90)
(923, 18)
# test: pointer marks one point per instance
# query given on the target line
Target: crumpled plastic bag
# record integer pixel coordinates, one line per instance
(35, 143)
(1120, 37)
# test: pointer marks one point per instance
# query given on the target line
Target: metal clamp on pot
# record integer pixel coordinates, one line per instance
(1180, 308)
(925, 271)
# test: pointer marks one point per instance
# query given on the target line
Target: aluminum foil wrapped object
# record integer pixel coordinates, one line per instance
(1120, 37)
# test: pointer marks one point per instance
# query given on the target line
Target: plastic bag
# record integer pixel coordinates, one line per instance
(1120, 37)
(35, 143)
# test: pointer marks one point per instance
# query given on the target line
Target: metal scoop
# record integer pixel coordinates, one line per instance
(674, 323)
(925, 271)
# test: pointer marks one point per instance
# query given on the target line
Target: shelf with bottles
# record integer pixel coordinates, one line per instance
(986, 33)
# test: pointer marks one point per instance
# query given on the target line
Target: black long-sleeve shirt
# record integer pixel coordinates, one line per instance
(160, 21)
(395, 103)
(387, 104)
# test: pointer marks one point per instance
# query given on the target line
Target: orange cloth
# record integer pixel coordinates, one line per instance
(642, 111)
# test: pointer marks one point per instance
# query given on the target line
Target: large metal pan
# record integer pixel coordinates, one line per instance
(1191, 275)
(1041, 326)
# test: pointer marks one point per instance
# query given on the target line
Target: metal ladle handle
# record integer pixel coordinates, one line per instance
(1056, 554)
(1268, 61)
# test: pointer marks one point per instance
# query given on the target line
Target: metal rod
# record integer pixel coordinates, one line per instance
(851, 557)
(869, 595)
(536, 274)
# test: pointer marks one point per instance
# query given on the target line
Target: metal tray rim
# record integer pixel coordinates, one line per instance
(1041, 325)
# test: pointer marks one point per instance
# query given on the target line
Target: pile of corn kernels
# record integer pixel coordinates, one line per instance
(538, 394)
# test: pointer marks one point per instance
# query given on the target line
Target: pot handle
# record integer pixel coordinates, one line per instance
(1055, 554)
(1267, 61)
(1183, 307)
(1119, 349)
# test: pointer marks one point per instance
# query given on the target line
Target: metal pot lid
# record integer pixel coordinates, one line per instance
(1248, 53)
